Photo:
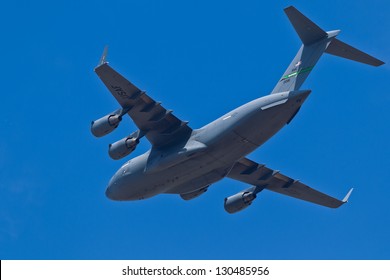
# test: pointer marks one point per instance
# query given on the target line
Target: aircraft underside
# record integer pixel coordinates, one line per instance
(135, 180)
(185, 162)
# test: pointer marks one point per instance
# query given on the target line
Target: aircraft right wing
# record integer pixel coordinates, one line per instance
(250, 172)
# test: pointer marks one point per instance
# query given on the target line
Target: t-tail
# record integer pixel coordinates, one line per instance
(315, 41)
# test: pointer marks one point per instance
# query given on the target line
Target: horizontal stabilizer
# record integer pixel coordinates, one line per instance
(339, 48)
(315, 42)
(308, 31)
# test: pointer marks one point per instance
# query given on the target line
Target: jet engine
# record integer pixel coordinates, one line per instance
(106, 124)
(123, 147)
(239, 201)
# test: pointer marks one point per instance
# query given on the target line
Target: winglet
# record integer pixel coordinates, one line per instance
(345, 200)
(104, 56)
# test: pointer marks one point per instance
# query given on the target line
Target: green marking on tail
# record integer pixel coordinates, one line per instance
(303, 70)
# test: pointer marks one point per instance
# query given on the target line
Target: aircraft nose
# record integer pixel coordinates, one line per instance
(110, 190)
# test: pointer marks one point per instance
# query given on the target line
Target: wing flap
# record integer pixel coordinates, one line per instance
(264, 177)
(160, 126)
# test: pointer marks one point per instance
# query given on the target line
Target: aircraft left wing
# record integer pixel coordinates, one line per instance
(250, 172)
(158, 124)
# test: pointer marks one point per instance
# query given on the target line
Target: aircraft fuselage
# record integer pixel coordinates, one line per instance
(209, 153)
(185, 162)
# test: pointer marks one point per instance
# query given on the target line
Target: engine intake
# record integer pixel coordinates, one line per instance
(239, 201)
(123, 147)
(106, 124)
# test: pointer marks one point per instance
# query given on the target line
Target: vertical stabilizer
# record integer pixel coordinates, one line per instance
(308, 31)
(315, 41)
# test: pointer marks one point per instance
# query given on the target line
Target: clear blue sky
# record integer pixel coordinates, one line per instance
(201, 59)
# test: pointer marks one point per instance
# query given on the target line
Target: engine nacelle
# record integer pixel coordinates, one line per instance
(239, 201)
(122, 147)
(106, 124)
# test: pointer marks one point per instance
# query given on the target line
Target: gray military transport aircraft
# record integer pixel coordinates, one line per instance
(186, 161)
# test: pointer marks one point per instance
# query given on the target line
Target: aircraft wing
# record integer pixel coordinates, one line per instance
(250, 172)
(158, 124)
